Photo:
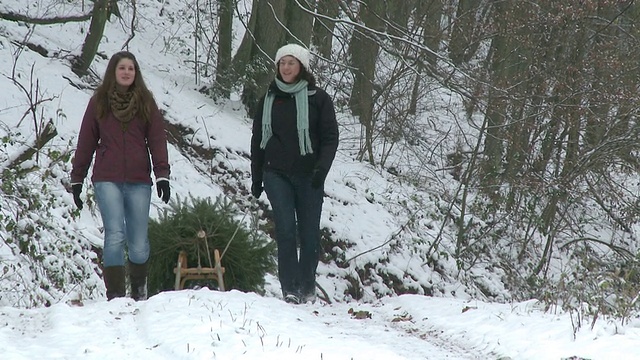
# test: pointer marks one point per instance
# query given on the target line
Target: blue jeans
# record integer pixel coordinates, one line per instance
(124, 208)
(296, 211)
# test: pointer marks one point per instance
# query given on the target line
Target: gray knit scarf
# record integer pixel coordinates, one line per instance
(301, 94)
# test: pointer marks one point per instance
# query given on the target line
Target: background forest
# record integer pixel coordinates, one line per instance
(514, 123)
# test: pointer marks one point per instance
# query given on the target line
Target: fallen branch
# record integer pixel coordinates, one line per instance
(11, 16)
(48, 133)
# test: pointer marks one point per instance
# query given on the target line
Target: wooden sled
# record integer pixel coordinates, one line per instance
(184, 273)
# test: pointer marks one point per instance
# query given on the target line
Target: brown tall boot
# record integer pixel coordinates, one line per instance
(138, 280)
(114, 281)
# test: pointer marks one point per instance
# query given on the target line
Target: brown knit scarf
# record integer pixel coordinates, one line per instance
(124, 106)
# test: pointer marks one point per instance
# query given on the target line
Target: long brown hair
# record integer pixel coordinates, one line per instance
(108, 85)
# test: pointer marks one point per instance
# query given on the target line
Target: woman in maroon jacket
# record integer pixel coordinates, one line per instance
(294, 142)
(122, 126)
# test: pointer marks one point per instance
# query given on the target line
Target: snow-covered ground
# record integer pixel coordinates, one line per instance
(207, 324)
(204, 324)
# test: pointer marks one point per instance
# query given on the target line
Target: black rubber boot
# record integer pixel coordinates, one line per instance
(138, 280)
(114, 281)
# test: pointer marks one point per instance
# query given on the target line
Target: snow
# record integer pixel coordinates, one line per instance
(360, 210)
(208, 324)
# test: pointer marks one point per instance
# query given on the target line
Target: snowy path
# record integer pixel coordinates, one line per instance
(211, 325)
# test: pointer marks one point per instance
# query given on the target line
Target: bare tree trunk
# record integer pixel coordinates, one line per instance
(432, 12)
(225, 38)
(243, 54)
(502, 61)
(299, 23)
(398, 12)
(463, 43)
(323, 28)
(364, 54)
(258, 48)
(99, 18)
(429, 16)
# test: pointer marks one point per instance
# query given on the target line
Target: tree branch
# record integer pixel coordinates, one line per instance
(48, 133)
(11, 16)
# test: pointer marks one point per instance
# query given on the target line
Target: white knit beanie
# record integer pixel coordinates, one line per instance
(296, 51)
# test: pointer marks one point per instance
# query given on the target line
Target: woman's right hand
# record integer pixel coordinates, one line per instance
(77, 190)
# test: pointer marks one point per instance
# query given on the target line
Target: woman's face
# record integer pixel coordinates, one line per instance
(289, 68)
(125, 73)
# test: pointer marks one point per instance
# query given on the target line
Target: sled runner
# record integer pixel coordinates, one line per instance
(184, 273)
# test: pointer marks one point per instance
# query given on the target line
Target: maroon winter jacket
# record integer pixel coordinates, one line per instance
(121, 156)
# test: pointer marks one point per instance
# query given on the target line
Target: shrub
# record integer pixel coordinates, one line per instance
(198, 227)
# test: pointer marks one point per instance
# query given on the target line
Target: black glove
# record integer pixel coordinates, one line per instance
(256, 189)
(77, 190)
(163, 190)
(317, 177)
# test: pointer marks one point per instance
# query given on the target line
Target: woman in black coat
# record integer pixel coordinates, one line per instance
(294, 142)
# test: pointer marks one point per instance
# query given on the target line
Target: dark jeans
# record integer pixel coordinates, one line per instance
(296, 210)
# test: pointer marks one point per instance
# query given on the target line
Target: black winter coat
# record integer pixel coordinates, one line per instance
(282, 153)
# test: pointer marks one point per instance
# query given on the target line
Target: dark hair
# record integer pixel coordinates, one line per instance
(303, 75)
(109, 83)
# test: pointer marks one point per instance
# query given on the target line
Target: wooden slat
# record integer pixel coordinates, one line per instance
(184, 273)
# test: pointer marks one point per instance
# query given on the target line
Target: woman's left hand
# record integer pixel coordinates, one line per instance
(164, 192)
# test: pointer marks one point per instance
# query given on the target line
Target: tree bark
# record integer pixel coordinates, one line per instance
(225, 38)
(429, 16)
(299, 22)
(243, 54)
(257, 50)
(398, 12)
(323, 28)
(100, 14)
(364, 55)
(48, 133)
(11, 16)
(463, 44)
(431, 12)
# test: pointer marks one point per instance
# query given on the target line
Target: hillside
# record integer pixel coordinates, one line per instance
(370, 249)
(409, 224)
